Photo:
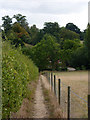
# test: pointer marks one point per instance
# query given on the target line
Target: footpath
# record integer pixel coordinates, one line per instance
(43, 104)
(40, 110)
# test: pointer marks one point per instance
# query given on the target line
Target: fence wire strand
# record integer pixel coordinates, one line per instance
(78, 109)
(79, 97)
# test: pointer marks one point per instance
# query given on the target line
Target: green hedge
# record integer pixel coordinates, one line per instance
(17, 71)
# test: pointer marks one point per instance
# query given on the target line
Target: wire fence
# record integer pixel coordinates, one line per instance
(71, 104)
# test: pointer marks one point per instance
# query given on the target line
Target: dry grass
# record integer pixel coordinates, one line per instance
(26, 109)
(51, 101)
(78, 80)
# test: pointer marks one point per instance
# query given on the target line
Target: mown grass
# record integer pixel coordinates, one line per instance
(17, 72)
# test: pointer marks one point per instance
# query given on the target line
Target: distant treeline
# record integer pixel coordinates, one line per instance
(53, 47)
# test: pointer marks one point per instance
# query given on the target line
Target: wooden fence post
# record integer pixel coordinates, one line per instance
(55, 84)
(68, 106)
(59, 90)
(51, 81)
(49, 77)
(88, 107)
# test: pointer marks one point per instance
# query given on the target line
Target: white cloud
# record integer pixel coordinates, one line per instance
(49, 7)
(40, 11)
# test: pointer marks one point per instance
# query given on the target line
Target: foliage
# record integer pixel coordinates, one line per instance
(46, 53)
(27, 50)
(18, 30)
(34, 34)
(18, 35)
(7, 23)
(87, 43)
(71, 44)
(72, 27)
(79, 58)
(17, 72)
(67, 34)
(21, 20)
(51, 28)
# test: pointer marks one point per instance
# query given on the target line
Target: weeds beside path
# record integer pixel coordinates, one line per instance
(42, 104)
(51, 100)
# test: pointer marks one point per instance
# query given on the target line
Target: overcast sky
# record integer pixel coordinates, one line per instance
(40, 11)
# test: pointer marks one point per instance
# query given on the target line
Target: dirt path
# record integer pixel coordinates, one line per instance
(40, 110)
(42, 104)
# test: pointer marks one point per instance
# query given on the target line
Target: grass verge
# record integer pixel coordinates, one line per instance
(52, 104)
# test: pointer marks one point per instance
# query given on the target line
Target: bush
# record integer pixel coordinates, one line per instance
(17, 72)
(83, 67)
(79, 58)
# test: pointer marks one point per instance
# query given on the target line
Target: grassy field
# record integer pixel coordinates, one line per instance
(78, 81)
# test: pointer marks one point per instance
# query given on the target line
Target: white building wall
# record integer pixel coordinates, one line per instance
(89, 12)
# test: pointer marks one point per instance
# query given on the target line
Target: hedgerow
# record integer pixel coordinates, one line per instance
(17, 71)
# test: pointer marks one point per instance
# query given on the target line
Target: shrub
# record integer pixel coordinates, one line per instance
(17, 71)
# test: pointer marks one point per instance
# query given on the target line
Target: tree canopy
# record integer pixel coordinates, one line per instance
(7, 23)
(72, 27)
(53, 46)
(46, 53)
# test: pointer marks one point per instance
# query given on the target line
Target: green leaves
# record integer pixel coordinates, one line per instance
(7, 23)
(17, 72)
(46, 53)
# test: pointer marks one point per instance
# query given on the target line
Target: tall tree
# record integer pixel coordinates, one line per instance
(18, 35)
(72, 27)
(34, 33)
(21, 20)
(46, 53)
(87, 43)
(7, 23)
(51, 28)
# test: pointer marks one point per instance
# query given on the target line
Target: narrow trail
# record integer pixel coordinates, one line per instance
(40, 110)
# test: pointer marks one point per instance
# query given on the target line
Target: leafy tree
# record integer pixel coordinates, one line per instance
(18, 35)
(68, 47)
(19, 30)
(13, 37)
(7, 23)
(82, 35)
(72, 27)
(79, 58)
(67, 34)
(87, 43)
(71, 44)
(51, 28)
(87, 38)
(46, 53)
(22, 21)
(34, 33)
